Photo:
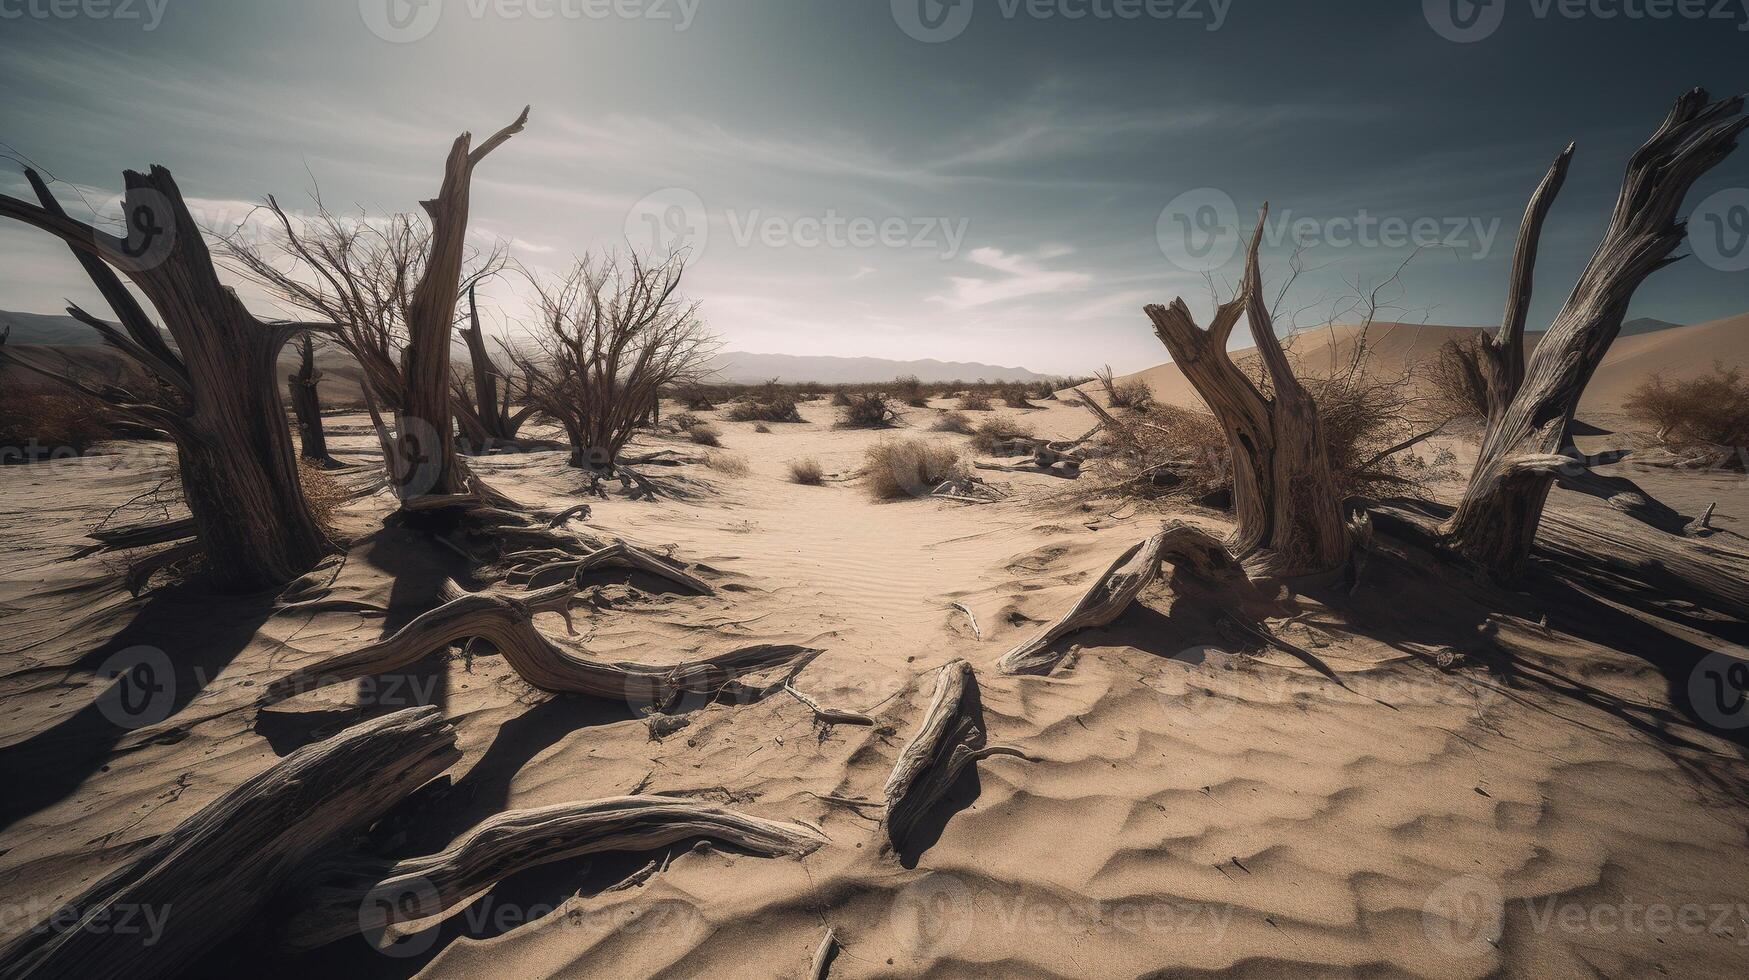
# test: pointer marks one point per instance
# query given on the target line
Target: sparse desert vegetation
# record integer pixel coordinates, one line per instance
(897, 469)
(443, 604)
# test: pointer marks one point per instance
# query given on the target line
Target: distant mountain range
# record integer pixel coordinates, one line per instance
(737, 367)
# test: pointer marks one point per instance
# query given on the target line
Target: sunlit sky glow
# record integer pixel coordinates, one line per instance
(994, 197)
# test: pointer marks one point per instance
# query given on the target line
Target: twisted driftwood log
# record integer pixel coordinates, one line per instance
(950, 739)
(1113, 591)
(359, 894)
(506, 621)
(618, 555)
(216, 870)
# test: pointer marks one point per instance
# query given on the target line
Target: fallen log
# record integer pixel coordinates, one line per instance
(950, 738)
(210, 875)
(359, 894)
(1113, 591)
(507, 623)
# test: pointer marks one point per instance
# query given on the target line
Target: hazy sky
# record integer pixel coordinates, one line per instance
(991, 180)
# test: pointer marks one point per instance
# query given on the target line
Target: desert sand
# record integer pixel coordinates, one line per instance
(1196, 802)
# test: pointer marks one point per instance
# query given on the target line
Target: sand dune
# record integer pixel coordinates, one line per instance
(1676, 352)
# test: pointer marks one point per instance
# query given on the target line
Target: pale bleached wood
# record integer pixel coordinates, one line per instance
(950, 738)
(1113, 591)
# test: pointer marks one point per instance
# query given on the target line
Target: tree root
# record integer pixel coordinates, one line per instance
(378, 895)
(221, 867)
(506, 622)
(616, 555)
(135, 536)
(1114, 590)
(950, 738)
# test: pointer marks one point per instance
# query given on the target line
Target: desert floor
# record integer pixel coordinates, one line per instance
(1198, 802)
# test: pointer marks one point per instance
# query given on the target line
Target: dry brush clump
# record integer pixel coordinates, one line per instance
(992, 432)
(779, 406)
(705, 434)
(806, 472)
(910, 390)
(48, 425)
(729, 464)
(1015, 396)
(1711, 411)
(955, 421)
(868, 410)
(975, 401)
(899, 468)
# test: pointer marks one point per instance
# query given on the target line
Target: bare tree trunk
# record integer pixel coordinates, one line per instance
(221, 407)
(1496, 522)
(484, 413)
(424, 439)
(1284, 498)
(306, 406)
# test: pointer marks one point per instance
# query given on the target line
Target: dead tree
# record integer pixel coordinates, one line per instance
(218, 396)
(614, 334)
(1523, 450)
(391, 289)
(484, 399)
(1289, 516)
(306, 406)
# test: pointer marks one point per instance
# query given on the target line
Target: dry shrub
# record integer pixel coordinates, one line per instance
(780, 407)
(728, 464)
(901, 468)
(322, 494)
(868, 411)
(1455, 381)
(48, 425)
(1162, 450)
(909, 390)
(705, 434)
(1133, 394)
(1711, 410)
(954, 422)
(840, 397)
(1015, 395)
(996, 430)
(975, 401)
(685, 420)
(807, 472)
(762, 428)
(697, 398)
